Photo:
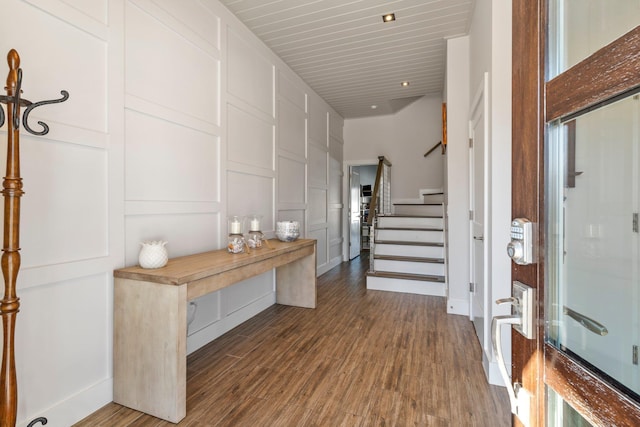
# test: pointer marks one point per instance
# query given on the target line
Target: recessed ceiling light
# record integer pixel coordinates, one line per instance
(404, 84)
(373, 107)
(389, 17)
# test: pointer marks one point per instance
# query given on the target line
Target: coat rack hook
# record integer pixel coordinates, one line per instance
(42, 420)
(45, 127)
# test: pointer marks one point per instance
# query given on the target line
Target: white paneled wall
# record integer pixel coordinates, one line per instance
(178, 117)
(292, 151)
(334, 211)
(310, 138)
(66, 239)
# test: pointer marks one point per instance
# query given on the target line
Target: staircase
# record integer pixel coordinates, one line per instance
(408, 250)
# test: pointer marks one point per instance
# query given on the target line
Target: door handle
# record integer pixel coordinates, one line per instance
(496, 340)
(481, 238)
(519, 397)
(522, 320)
(592, 325)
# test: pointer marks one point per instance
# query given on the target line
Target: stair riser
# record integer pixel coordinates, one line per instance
(418, 210)
(406, 286)
(432, 269)
(433, 198)
(406, 250)
(410, 235)
(410, 222)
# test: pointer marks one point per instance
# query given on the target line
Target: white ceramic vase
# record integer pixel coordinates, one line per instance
(153, 254)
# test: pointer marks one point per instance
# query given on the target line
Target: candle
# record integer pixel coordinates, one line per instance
(255, 224)
(235, 228)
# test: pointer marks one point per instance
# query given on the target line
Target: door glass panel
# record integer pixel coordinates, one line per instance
(580, 27)
(561, 414)
(593, 252)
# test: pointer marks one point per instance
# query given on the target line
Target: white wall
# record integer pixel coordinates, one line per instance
(178, 116)
(403, 138)
(457, 175)
(489, 51)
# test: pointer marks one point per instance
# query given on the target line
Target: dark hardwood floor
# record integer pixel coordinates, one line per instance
(361, 358)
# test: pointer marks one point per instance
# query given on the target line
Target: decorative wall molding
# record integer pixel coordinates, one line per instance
(92, 23)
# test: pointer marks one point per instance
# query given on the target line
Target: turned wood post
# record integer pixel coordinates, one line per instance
(10, 304)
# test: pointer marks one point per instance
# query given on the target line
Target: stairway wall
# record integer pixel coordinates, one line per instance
(403, 138)
(487, 48)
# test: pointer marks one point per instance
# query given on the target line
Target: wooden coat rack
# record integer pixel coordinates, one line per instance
(10, 261)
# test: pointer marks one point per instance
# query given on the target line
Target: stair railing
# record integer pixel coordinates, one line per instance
(381, 190)
(432, 149)
(372, 243)
(380, 203)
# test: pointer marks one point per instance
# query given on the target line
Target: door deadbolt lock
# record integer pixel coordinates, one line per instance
(520, 248)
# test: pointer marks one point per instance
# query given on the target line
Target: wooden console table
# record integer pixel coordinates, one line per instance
(150, 316)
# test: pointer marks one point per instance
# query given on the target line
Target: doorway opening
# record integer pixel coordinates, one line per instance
(361, 177)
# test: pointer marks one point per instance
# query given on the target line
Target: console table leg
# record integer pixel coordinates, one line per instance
(296, 282)
(149, 360)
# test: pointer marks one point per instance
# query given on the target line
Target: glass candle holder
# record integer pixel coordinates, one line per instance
(254, 236)
(255, 239)
(235, 240)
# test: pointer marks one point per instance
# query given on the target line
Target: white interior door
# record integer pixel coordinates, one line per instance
(354, 213)
(478, 295)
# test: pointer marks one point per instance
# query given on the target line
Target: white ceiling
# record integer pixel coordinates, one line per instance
(344, 51)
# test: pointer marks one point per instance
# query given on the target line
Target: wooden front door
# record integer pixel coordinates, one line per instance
(575, 164)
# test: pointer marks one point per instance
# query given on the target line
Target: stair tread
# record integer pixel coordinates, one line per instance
(407, 276)
(417, 204)
(409, 258)
(409, 216)
(410, 228)
(402, 242)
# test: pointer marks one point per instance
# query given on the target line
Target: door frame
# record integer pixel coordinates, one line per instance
(479, 112)
(536, 364)
(352, 174)
(346, 166)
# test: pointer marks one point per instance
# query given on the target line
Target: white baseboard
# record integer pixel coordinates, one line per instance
(492, 371)
(328, 266)
(495, 378)
(458, 306)
(75, 408)
(207, 334)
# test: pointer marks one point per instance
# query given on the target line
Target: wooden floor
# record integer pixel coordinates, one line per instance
(361, 358)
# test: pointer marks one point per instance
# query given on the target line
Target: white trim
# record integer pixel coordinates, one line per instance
(458, 306)
(207, 334)
(328, 266)
(345, 200)
(492, 371)
(76, 407)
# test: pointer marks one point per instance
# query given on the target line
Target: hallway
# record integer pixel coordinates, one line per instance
(361, 358)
